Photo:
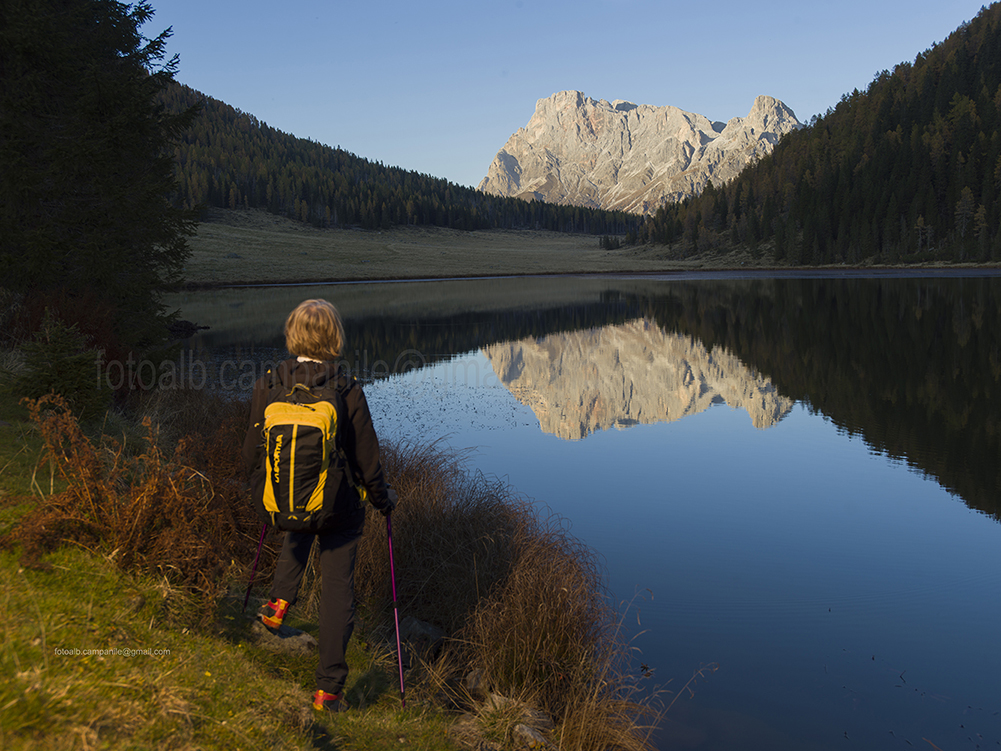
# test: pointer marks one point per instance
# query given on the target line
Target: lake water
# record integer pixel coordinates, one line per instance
(797, 478)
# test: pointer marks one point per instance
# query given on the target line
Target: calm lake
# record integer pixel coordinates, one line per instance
(796, 478)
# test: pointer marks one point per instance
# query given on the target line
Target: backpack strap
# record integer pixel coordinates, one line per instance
(342, 385)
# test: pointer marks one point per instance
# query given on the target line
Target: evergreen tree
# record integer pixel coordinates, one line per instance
(87, 160)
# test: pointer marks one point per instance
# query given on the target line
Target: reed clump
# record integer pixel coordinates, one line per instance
(454, 537)
(520, 599)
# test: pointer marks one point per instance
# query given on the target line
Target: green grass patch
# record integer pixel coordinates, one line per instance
(90, 662)
(95, 658)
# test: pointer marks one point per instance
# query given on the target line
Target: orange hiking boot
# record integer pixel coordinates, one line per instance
(273, 613)
(326, 701)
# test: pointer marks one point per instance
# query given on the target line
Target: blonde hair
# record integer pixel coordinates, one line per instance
(314, 330)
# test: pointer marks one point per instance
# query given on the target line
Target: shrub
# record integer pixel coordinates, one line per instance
(11, 306)
(58, 361)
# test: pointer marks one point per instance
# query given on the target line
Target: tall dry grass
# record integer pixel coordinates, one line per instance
(180, 513)
(520, 600)
(453, 537)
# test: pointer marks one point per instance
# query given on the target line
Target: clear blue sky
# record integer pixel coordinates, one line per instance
(438, 86)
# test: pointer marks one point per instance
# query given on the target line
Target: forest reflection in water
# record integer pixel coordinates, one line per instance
(816, 550)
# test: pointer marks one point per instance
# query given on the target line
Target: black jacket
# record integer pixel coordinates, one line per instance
(357, 434)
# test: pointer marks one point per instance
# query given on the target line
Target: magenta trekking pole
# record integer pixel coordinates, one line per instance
(253, 571)
(396, 613)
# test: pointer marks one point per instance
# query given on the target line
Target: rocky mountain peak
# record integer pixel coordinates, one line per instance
(626, 156)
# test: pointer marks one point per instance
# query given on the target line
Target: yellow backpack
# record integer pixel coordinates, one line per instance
(306, 471)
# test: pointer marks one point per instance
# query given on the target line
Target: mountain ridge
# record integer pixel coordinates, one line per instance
(579, 151)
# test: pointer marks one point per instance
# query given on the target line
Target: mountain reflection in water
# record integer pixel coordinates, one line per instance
(912, 365)
(627, 374)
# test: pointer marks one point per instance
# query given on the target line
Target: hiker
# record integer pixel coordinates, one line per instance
(314, 336)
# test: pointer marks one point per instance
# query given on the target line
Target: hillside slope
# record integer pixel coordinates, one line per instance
(910, 169)
(230, 159)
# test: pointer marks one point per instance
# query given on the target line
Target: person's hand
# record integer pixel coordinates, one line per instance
(392, 499)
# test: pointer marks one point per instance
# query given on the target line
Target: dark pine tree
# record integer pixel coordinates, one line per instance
(86, 149)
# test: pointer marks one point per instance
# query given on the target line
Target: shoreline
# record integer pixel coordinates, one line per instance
(248, 247)
(784, 272)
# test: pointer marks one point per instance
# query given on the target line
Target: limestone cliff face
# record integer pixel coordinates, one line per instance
(625, 375)
(624, 156)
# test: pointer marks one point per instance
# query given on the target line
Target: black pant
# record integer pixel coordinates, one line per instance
(337, 601)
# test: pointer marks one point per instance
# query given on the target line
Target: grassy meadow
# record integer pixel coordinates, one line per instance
(235, 246)
(253, 246)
